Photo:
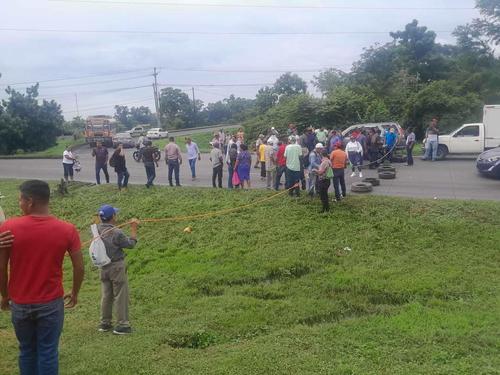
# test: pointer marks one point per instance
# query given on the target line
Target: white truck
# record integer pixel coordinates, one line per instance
(473, 139)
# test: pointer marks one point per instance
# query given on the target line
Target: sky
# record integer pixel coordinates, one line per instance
(116, 67)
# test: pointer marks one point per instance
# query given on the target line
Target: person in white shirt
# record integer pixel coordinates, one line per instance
(193, 154)
(68, 162)
(354, 151)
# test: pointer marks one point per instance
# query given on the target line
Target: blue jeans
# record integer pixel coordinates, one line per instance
(431, 149)
(98, 173)
(150, 173)
(192, 165)
(293, 178)
(279, 172)
(123, 177)
(230, 171)
(38, 328)
(173, 168)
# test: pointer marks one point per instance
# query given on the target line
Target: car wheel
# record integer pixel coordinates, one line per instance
(372, 181)
(361, 187)
(442, 152)
(387, 175)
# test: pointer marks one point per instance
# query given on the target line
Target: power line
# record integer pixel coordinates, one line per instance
(258, 6)
(92, 83)
(76, 78)
(206, 33)
(204, 70)
(111, 105)
(215, 85)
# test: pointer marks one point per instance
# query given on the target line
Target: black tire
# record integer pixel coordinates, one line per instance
(137, 156)
(399, 159)
(372, 181)
(386, 168)
(442, 152)
(361, 187)
(387, 175)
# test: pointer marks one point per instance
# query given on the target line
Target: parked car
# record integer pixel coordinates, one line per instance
(488, 163)
(137, 131)
(157, 133)
(473, 138)
(125, 139)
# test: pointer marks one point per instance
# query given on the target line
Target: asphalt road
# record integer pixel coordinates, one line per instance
(449, 179)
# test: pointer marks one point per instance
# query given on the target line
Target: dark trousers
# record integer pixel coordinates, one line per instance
(339, 183)
(373, 156)
(293, 178)
(230, 171)
(38, 328)
(173, 167)
(323, 186)
(150, 174)
(123, 177)
(217, 174)
(389, 151)
(409, 155)
(98, 173)
(279, 172)
(263, 169)
(68, 171)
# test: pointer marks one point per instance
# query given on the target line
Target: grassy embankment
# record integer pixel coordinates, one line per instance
(52, 152)
(201, 139)
(272, 289)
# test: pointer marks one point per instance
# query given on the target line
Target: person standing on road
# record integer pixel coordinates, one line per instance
(194, 154)
(261, 157)
(280, 164)
(315, 158)
(114, 283)
(410, 143)
(323, 172)
(322, 135)
(372, 145)
(31, 273)
(222, 141)
(243, 165)
(293, 153)
(432, 144)
(339, 163)
(270, 163)
(390, 143)
(217, 159)
(150, 163)
(231, 162)
(258, 142)
(354, 151)
(118, 161)
(101, 162)
(68, 163)
(173, 158)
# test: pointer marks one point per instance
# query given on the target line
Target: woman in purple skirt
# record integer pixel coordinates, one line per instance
(243, 165)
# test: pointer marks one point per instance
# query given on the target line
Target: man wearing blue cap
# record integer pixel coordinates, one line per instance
(114, 283)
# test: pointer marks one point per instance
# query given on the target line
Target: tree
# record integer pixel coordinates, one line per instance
(133, 116)
(489, 25)
(265, 99)
(330, 80)
(176, 107)
(28, 125)
(290, 84)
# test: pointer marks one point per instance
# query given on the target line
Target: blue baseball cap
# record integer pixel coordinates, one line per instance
(106, 212)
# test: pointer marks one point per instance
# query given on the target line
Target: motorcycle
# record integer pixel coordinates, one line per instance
(137, 155)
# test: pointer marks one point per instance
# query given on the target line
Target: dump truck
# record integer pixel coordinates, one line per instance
(100, 128)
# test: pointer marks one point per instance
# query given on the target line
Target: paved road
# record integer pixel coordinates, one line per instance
(454, 179)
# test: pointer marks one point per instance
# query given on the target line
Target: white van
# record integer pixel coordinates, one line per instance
(473, 139)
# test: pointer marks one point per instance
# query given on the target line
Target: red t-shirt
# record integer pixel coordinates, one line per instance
(36, 258)
(280, 156)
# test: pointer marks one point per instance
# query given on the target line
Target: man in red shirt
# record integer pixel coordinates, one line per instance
(35, 290)
(281, 163)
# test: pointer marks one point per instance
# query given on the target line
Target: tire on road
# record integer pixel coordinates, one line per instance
(373, 181)
(386, 168)
(361, 187)
(399, 159)
(385, 175)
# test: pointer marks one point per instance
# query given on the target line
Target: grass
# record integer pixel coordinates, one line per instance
(201, 139)
(273, 289)
(52, 152)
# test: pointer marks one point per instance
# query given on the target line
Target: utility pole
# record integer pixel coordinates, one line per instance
(156, 98)
(194, 102)
(76, 101)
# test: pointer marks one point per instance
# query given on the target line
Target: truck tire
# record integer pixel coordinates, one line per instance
(361, 187)
(387, 168)
(387, 175)
(372, 181)
(442, 152)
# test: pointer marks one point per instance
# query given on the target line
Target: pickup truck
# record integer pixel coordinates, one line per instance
(473, 139)
(137, 131)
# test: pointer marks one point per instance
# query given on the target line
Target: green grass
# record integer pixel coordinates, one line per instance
(272, 290)
(201, 139)
(52, 152)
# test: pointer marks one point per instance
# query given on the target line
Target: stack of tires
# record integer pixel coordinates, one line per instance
(366, 186)
(386, 172)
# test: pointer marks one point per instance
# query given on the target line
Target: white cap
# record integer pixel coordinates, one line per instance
(320, 145)
(269, 141)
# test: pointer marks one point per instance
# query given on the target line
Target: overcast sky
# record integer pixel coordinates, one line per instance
(39, 56)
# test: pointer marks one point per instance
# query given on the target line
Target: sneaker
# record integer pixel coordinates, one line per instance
(360, 175)
(122, 330)
(104, 327)
(353, 174)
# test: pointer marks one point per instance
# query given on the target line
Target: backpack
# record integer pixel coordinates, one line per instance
(97, 249)
(112, 161)
(329, 173)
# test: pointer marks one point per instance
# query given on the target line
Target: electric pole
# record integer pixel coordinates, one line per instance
(194, 102)
(156, 98)
(76, 101)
